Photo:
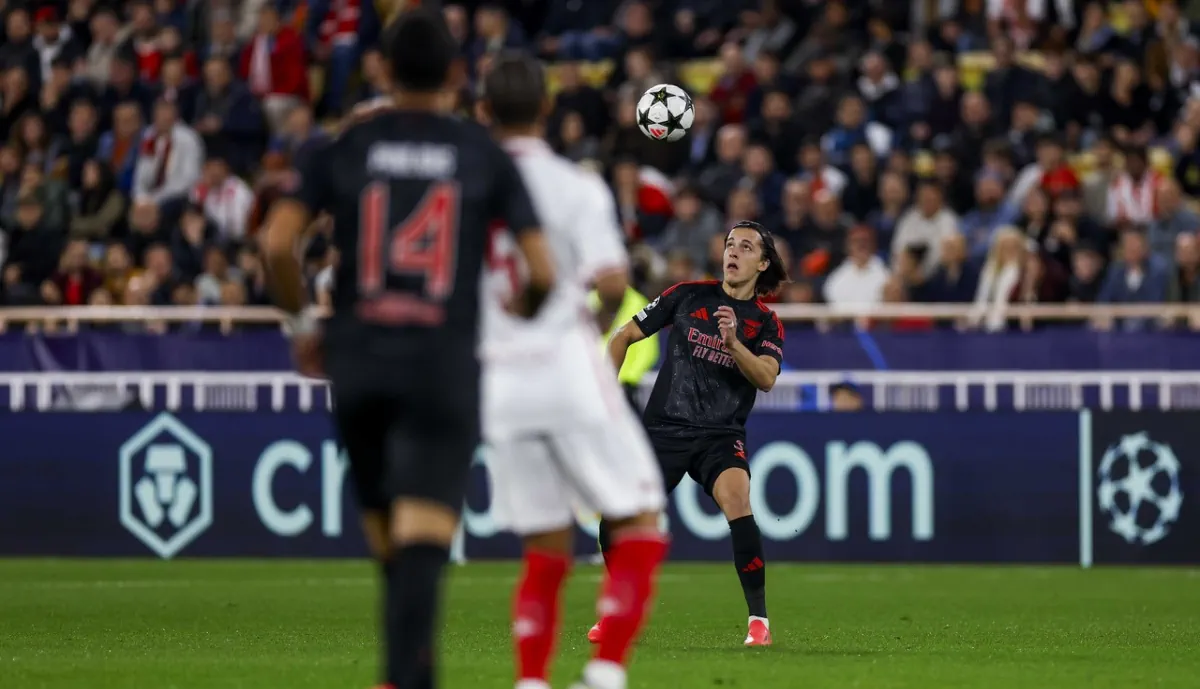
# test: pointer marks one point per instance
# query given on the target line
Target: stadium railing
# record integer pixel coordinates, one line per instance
(796, 390)
(72, 316)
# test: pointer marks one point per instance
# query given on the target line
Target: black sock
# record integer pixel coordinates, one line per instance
(751, 566)
(604, 538)
(414, 579)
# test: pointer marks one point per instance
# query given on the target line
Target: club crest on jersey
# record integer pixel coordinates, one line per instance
(750, 329)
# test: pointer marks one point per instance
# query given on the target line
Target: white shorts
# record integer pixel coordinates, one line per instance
(562, 438)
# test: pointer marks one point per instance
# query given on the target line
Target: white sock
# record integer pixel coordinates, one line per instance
(765, 621)
(532, 684)
(604, 674)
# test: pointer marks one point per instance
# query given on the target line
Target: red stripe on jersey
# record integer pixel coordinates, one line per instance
(677, 285)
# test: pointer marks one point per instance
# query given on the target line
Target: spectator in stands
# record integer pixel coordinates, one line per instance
(693, 227)
(956, 278)
(223, 42)
(189, 241)
(858, 281)
(226, 199)
(989, 214)
(1132, 193)
(101, 205)
(1184, 283)
(719, 178)
(338, 31)
(578, 30)
(999, 279)
(273, 63)
(120, 147)
(494, 32)
(216, 273)
(1137, 277)
(107, 37)
(179, 87)
(228, 115)
(75, 280)
(823, 245)
(51, 192)
(573, 141)
(861, 195)
(18, 53)
(16, 100)
(845, 397)
(33, 251)
(925, 225)
(576, 95)
(169, 162)
(125, 87)
(1087, 275)
(1172, 219)
(375, 81)
(759, 175)
(893, 203)
(81, 143)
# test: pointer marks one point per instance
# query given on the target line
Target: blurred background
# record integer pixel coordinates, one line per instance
(985, 206)
(940, 152)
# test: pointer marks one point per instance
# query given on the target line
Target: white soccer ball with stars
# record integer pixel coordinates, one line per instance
(665, 113)
(1139, 489)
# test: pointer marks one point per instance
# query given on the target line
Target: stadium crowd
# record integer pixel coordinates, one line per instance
(972, 151)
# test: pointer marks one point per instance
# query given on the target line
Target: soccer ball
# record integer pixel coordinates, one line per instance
(665, 113)
(1139, 489)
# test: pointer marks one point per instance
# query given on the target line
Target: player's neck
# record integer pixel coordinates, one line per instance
(742, 292)
(418, 101)
(529, 132)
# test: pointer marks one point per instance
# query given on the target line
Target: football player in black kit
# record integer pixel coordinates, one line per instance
(412, 193)
(725, 345)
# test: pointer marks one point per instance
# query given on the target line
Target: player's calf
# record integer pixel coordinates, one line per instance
(731, 490)
(637, 550)
(536, 605)
(422, 531)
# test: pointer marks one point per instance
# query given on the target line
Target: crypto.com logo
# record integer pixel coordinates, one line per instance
(166, 485)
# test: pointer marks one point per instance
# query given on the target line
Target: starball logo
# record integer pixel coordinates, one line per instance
(710, 348)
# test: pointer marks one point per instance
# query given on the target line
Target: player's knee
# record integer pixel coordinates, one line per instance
(645, 521)
(731, 491)
(375, 529)
(415, 520)
(559, 542)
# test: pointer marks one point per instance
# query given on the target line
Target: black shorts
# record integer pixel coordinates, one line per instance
(409, 432)
(703, 456)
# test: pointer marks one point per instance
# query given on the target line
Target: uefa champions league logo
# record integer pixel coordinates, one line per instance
(1139, 489)
(166, 485)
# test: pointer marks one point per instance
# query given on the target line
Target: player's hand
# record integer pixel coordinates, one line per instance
(307, 352)
(727, 323)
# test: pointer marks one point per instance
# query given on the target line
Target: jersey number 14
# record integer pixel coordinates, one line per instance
(422, 245)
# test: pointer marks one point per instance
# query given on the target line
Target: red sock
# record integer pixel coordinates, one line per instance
(628, 591)
(535, 612)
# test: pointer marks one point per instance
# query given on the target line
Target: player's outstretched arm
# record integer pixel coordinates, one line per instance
(621, 341)
(285, 225)
(610, 288)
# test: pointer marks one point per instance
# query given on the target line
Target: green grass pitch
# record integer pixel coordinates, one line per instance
(68, 624)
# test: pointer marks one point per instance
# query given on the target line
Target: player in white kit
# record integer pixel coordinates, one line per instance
(560, 431)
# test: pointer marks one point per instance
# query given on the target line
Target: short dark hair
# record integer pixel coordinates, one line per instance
(420, 49)
(775, 276)
(515, 90)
